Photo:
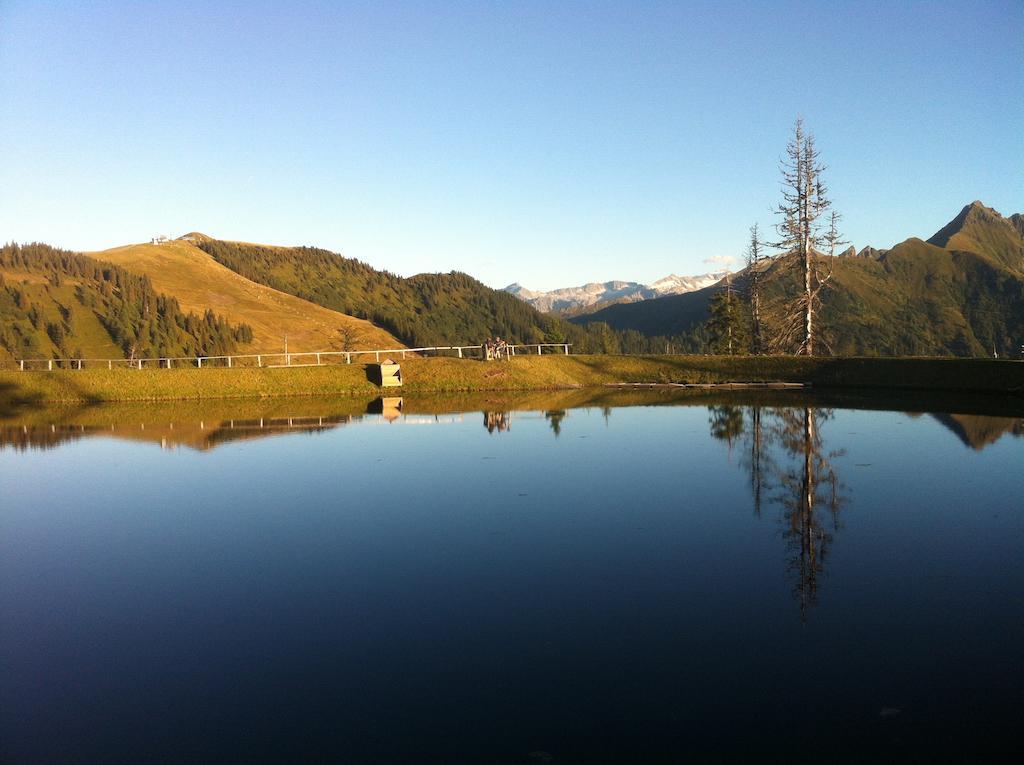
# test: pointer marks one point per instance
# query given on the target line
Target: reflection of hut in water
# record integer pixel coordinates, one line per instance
(497, 421)
(388, 406)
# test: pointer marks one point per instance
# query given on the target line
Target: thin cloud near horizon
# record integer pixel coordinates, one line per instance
(720, 260)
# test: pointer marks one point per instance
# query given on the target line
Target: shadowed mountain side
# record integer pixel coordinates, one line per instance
(183, 270)
(660, 316)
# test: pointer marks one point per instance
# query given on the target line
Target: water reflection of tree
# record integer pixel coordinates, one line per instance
(726, 423)
(807, 489)
(758, 459)
(788, 466)
(555, 417)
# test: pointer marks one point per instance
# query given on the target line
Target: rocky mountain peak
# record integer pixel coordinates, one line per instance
(973, 214)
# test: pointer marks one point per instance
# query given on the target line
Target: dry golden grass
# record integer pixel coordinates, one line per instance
(187, 273)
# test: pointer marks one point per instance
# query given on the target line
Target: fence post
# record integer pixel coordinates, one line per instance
(460, 353)
(348, 358)
(49, 365)
(110, 364)
(199, 362)
(538, 349)
(378, 355)
(229, 362)
(566, 349)
(259, 363)
(318, 359)
(22, 364)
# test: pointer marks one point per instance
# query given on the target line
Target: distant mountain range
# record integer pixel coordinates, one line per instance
(960, 293)
(589, 297)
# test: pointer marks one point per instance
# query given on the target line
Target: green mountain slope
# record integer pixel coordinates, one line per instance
(424, 310)
(59, 304)
(961, 293)
(985, 232)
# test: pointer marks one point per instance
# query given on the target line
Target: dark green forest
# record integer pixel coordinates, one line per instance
(60, 304)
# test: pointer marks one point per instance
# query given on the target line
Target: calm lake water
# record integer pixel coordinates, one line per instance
(543, 579)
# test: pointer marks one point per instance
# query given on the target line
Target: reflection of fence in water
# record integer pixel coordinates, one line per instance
(237, 430)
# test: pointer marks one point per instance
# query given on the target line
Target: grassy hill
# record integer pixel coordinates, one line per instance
(180, 268)
(59, 304)
(961, 293)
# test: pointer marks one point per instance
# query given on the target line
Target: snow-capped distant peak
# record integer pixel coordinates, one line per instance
(569, 299)
(674, 285)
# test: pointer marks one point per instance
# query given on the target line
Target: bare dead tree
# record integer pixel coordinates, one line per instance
(802, 234)
(832, 236)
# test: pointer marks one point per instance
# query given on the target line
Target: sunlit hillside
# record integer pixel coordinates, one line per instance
(182, 270)
(60, 304)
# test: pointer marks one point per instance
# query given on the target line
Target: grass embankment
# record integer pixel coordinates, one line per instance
(440, 375)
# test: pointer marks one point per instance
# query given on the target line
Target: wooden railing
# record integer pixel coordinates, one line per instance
(282, 359)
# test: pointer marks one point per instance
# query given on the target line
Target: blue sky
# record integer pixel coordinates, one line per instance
(539, 142)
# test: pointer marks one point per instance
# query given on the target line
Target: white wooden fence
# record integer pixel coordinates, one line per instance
(281, 359)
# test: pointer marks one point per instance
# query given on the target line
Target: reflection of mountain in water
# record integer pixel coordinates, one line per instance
(201, 435)
(978, 431)
(203, 425)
